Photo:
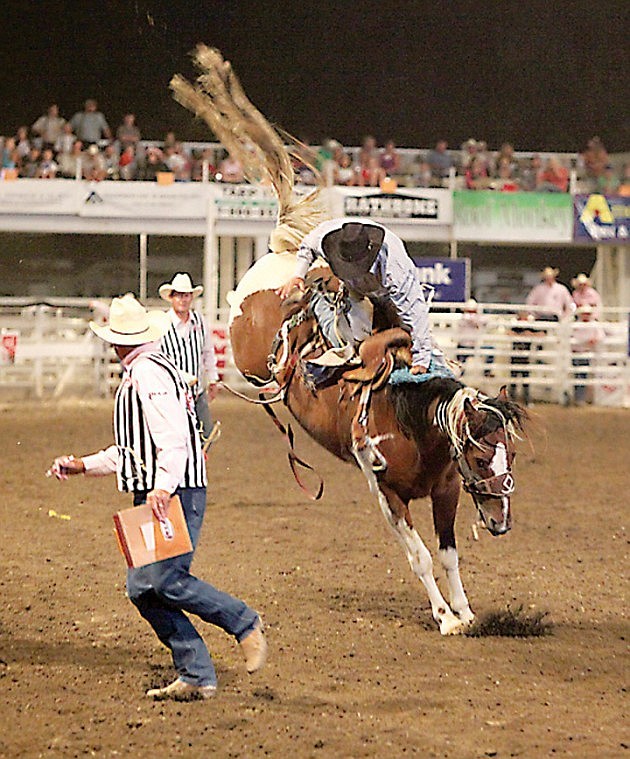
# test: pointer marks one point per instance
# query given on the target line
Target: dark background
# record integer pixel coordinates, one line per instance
(542, 75)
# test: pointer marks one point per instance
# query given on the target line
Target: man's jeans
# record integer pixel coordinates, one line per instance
(163, 591)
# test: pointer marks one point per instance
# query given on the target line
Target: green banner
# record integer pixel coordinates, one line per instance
(512, 216)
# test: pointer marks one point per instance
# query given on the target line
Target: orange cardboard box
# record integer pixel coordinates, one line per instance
(143, 539)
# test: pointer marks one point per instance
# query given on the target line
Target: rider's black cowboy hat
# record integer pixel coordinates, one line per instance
(352, 249)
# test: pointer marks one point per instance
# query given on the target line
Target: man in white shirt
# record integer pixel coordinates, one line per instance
(188, 344)
(157, 453)
(552, 300)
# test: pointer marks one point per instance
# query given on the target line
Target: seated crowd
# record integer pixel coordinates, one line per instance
(85, 147)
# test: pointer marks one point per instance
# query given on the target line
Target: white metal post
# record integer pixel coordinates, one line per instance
(211, 265)
(143, 267)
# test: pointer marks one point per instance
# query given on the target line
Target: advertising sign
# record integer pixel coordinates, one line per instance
(144, 200)
(418, 206)
(245, 202)
(450, 277)
(601, 218)
(489, 216)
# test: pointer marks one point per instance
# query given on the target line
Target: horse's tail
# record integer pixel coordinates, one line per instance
(220, 101)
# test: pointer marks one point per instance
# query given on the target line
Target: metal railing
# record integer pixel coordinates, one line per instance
(47, 351)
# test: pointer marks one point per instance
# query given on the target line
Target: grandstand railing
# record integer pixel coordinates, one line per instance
(48, 351)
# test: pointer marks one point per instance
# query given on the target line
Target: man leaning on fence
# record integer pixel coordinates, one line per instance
(157, 453)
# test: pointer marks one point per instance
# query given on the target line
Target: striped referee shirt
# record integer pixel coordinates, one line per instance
(157, 443)
(189, 347)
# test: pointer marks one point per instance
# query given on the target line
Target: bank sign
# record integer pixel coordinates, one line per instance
(450, 278)
(602, 218)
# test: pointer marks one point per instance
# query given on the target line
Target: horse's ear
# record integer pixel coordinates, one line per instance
(503, 395)
(474, 416)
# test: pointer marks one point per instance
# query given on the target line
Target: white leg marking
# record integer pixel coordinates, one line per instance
(459, 603)
(417, 553)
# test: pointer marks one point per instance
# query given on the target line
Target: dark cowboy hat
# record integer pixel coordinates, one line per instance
(352, 250)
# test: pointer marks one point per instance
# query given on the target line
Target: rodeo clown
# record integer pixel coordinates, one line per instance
(188, 344)
(157, 453)
(373, 263)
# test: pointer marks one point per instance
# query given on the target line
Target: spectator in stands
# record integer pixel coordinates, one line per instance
(595, 159)
(476, 175)
(70, 163)
(93, 164)
(22, 142)
(506, 180)
(586, 335)
(390, 159)
(198, 159)
(554, 177)
(344, 171)
(529, 175)
(112, 162)
(30, 164)
(422, 176)
(440, 162)
(608, 181)
(170, 140)
(230, 170)
(153, 165)
(127, 165)
(10, 156)
(89, 125)
(128, 133)
(584, 294)
(66, 139)
(485, 157)
(468, 152)
(624, 187)
(372, 175)
(551, 298)
(48, 167)
(304, 163)
(178, 162)
(48, 127)
(505, 157)
(368, 151)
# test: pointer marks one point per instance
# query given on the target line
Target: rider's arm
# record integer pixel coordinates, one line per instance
(400, 279)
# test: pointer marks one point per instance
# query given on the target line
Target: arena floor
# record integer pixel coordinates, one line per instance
(357, 667)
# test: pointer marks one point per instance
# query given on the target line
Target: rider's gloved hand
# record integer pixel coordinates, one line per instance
(292, 284)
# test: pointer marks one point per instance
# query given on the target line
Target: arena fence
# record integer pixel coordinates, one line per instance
(48, 351)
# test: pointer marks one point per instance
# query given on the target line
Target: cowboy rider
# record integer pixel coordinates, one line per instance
(373, 263)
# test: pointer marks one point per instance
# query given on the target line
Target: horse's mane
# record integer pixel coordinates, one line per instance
(412, 401)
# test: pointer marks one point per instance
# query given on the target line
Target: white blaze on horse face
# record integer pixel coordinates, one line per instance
(499, 463)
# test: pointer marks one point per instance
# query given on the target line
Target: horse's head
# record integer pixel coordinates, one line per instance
(486, 459)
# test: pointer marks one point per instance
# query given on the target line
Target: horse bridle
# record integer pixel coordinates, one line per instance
(497, 486)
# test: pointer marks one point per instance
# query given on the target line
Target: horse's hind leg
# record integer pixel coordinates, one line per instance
(444, 504)
(396, 513)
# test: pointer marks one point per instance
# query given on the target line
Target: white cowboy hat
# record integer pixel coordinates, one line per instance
(182, 283)
(581, 279)
(130, 323)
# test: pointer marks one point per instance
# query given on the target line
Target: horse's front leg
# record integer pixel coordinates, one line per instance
(396, 512)
(444, 499)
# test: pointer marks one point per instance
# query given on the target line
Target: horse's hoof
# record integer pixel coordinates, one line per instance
(452, 626)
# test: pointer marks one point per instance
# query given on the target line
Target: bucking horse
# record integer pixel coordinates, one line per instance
(413, 436)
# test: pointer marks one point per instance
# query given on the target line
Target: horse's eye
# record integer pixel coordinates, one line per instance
(482, 463)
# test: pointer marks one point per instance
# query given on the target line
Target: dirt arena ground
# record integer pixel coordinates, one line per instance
(357, 667)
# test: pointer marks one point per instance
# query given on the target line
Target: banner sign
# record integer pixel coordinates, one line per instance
(450, 277)
(144, 200)
(488, 216)
(601, 219)
(424, 206)
(245, 202)
(40, 196)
